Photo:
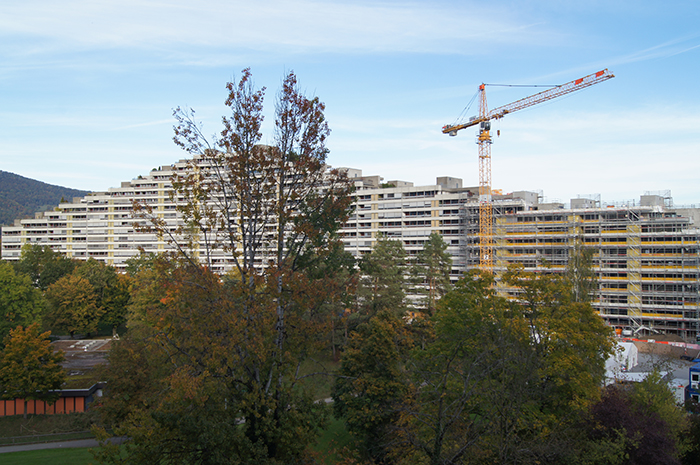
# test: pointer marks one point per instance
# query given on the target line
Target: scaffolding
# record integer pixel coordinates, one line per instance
(647, 260)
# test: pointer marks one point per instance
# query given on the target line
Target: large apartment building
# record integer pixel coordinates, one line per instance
(647, 255)
(99, 225)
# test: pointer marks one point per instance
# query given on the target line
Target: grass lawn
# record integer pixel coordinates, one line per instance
(332, 440)
(77, 456)
(322, 366)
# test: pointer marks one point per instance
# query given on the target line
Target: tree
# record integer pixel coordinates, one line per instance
(29, 368)
(72, 305)
(571, 340)
(371, 382)
(654, 396)
(639, 424)
(473, 359)
(232, 347)
(112, 291)
(691, 453)
(43, 266)
(580, 274)
(432, 266)
(503, 382)
(20, 303)
(383, 278)
(190, 339)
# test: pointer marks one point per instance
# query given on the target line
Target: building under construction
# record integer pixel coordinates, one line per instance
(646, 255)
(646, 258)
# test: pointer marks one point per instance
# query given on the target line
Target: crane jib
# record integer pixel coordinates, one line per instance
(534, 99)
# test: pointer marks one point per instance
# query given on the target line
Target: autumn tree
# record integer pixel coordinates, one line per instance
(567, 334)
(73, 306)
(111, 290)
(232, 347)
(29, 368)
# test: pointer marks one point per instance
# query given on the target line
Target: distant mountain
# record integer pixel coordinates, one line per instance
(21, 197)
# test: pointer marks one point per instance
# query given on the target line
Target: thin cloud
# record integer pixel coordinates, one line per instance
(141, 125)
(664, 50)
(300, 26)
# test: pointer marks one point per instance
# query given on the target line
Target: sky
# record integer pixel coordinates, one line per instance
(87, 88)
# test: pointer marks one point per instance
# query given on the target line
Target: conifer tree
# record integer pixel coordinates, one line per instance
(383, 281)
(432, 268)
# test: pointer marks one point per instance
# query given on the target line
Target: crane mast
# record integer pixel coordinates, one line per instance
(484, 141)
(485, 198)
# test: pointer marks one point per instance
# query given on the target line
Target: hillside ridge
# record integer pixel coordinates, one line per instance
(21, 197)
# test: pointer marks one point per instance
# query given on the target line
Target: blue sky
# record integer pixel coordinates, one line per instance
(88, 87)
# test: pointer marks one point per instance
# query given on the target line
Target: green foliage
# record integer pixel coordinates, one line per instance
(43, 266)
(580, 274)
(654, 395)
(463, 381)
(383, 281)
(134, 265)
(637, 424)
(690, 454)
(72, 306)
(432, 267)
(29, 368)
(493, 381)
(371, 382)
(20, 303)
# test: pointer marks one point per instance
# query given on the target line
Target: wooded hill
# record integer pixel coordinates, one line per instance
(20, 197)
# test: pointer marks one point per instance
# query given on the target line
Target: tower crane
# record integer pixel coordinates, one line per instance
(484, 140)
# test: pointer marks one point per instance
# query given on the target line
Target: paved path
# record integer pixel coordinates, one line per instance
(54, 445)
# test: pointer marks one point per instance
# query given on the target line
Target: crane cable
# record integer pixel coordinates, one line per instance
(462, 115)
